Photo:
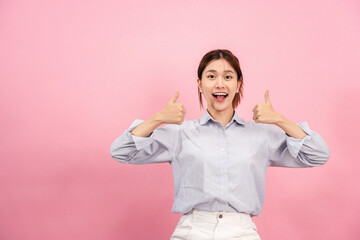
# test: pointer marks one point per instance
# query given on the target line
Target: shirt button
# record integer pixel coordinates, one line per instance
(222, 149)
(222, 170)
(220, 216)
(221, 132)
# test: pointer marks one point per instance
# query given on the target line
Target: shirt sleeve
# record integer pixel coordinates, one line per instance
(157, 147)
(286, 151)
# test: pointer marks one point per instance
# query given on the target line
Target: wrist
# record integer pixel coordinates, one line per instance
(158, 118)
(280, 120)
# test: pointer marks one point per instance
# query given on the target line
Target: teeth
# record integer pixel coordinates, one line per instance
(216, 94)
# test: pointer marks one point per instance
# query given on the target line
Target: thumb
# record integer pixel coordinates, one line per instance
(173, 100)
(267, 97)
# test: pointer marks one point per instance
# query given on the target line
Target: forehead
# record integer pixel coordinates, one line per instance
(219, 65)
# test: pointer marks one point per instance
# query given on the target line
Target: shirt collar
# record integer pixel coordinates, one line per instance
(206, 117)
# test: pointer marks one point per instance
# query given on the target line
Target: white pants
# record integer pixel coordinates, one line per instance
(204, 225)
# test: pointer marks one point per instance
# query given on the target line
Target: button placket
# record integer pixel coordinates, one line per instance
(222, 162)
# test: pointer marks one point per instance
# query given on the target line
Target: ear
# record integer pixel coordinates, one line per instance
(199, 84)
(238, 86)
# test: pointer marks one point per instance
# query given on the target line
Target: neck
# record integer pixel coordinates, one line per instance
(223, 117)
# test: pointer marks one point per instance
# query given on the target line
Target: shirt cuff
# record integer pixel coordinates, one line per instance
(294, 144)
(140, 142)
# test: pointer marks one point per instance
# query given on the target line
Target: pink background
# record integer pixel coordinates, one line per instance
(75, 74)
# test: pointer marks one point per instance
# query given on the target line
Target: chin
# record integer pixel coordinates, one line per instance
(221, 108)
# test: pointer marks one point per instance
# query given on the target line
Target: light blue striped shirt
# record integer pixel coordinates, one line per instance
(218, 168)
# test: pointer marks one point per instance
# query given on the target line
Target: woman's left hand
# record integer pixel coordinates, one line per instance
(265, 113)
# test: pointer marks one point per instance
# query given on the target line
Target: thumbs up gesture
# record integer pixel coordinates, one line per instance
(264, 112)
(173, 113)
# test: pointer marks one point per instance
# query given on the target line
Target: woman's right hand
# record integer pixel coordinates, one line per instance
(173, 113)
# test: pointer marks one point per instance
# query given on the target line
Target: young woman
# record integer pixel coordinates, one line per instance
(219, 161)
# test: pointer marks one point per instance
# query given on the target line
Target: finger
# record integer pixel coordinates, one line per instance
(173, 100)
(182, 108)
(267, 97)
(182, 119)
(254, 108)
(256, 118)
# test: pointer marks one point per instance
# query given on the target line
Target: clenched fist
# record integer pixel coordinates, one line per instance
(173, 113)
(264, 112)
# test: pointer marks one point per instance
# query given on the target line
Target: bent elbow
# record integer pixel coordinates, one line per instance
(315, 159)
(119, 158)
(321, 158)
(321, 155)
(114, 153)
(325, 155)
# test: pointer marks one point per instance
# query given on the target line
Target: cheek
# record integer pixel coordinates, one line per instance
(207, 88)
(235, 86)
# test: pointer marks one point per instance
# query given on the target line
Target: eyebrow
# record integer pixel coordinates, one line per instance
(216, 71)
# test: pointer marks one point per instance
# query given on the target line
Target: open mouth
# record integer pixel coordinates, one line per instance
(220, 96)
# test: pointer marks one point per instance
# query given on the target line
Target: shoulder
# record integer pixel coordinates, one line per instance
(254, 125)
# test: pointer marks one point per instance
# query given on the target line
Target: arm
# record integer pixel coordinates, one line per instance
(287, 151)
(157, 147)
(291, 128)
(148, 126)
(290, 144)
(144, 142)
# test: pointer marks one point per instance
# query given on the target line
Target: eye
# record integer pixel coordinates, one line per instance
(228, 77)
(211, 76)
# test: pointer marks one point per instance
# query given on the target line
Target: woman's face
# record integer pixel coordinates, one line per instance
(219, 77)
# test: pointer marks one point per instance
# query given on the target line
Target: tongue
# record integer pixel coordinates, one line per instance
(221, 97)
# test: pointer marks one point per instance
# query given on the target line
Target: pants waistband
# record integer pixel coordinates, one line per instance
(202, 215)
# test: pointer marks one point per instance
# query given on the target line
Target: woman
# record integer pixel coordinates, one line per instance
(219, 161)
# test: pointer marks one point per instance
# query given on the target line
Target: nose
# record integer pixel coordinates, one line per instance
(220, 82)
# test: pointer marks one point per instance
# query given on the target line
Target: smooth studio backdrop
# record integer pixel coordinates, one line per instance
(75, 74)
